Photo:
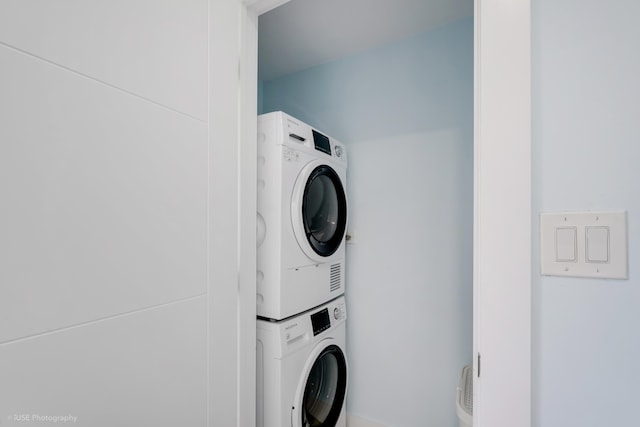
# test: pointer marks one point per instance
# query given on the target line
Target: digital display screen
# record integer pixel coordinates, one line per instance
(320, 321)
(321, 142)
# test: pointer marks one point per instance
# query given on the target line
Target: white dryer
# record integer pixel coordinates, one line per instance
(302, 369)
(302, 217)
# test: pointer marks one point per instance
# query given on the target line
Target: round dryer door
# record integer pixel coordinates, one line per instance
(319, 211)
(322, 390)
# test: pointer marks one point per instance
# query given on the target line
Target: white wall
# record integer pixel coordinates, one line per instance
(104, 162)
(586, 64)
(406, 113)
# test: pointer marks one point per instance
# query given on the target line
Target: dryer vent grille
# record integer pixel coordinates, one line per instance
(335, 277)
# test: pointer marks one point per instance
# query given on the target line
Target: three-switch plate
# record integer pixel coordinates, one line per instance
(584, 244)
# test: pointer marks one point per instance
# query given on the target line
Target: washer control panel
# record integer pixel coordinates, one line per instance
(320, 321)
(339, 310)
(328, 316)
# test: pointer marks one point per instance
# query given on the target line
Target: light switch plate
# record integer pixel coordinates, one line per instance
(600, 243)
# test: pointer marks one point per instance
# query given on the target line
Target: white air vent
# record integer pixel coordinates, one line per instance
(335, 277)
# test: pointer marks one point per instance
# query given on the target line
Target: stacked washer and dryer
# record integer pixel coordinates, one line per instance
(302, 219)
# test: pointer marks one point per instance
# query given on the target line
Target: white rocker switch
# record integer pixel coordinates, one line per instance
(584, 244)
(566, 244)
(597, 239)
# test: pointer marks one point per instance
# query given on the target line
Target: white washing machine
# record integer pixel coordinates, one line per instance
(302, 369)
(302, 217)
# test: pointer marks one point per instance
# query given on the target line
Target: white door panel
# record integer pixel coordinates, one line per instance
(143, 369)
(104, 200)
(156, 49)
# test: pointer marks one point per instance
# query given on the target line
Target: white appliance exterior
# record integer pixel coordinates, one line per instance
(291, 276)
(286, 353)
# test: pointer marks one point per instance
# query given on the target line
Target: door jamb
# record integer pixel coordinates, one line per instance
(502, 213)
(494, 86)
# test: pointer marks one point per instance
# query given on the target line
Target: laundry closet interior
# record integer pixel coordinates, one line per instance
(393, 82)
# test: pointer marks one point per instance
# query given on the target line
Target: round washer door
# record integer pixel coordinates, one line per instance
(319, 210)
(322, 389)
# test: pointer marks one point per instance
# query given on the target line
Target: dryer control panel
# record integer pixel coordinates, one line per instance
(321, 142)
(299, 135)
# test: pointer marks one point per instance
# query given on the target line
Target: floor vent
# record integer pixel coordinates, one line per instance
(335, 277)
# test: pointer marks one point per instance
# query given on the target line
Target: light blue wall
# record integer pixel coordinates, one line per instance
(405, 112)
(586, 89)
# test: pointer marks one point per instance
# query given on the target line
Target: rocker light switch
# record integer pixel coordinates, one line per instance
(584, 244)
(566, 244)
(597, 244)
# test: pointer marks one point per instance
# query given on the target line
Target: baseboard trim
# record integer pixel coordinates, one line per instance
(355, 421)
